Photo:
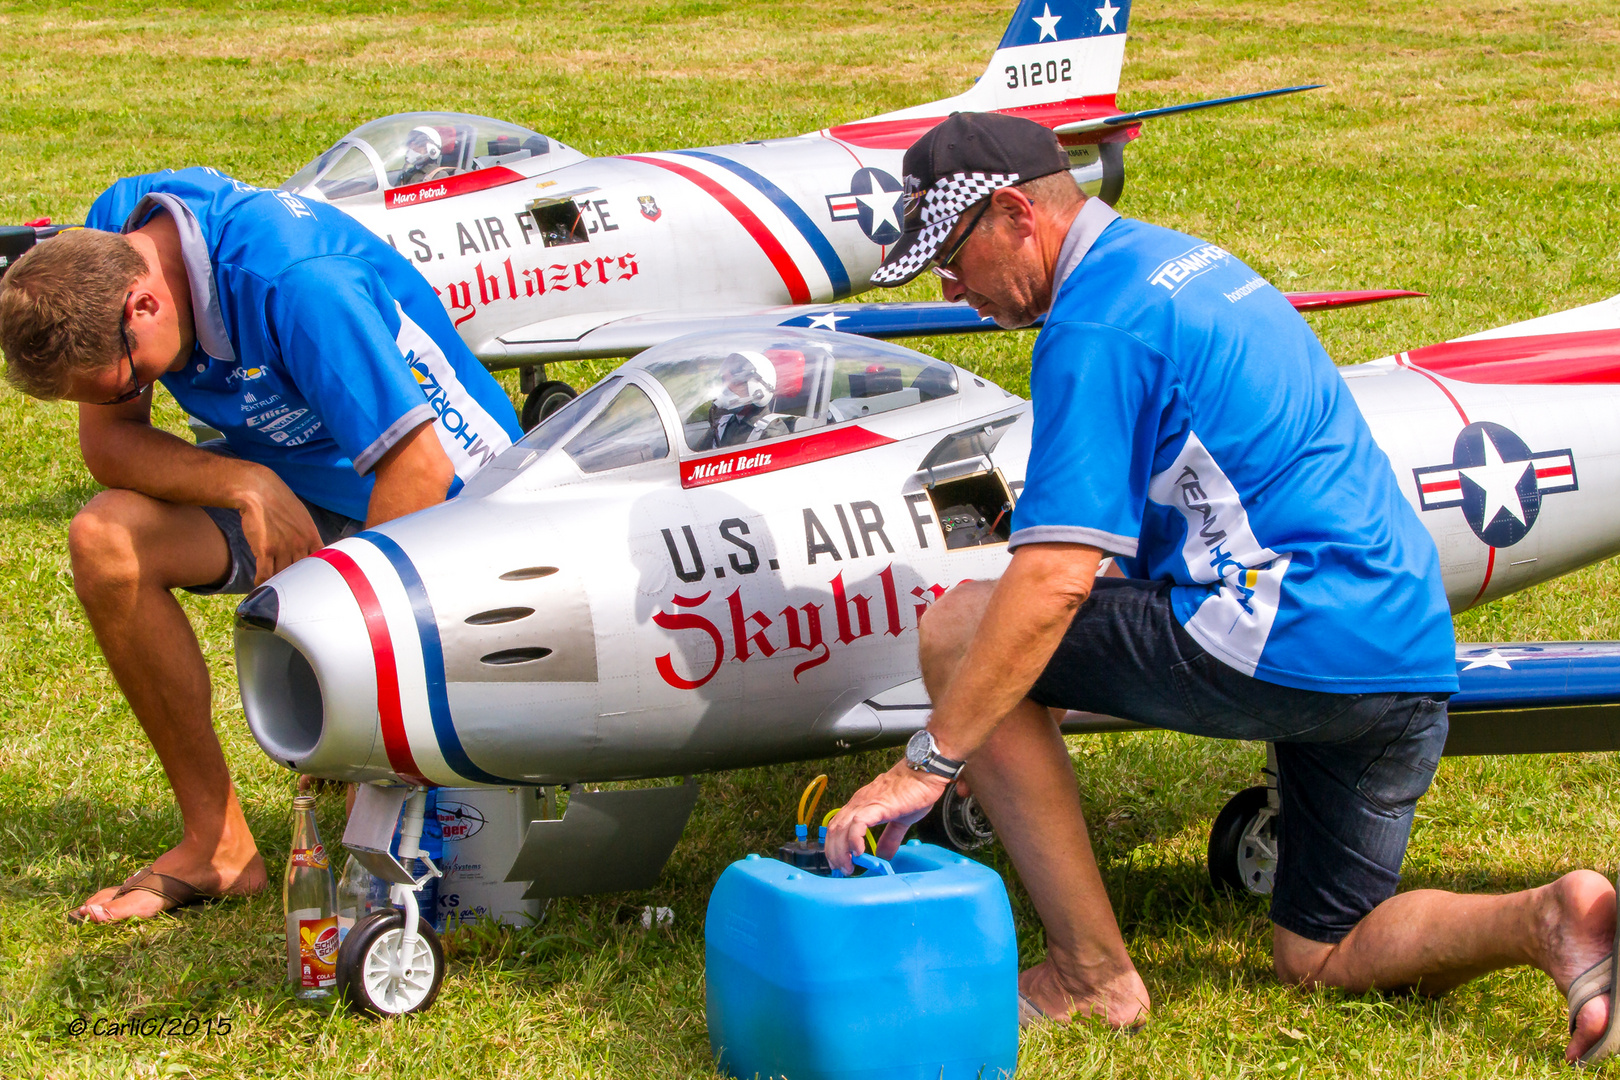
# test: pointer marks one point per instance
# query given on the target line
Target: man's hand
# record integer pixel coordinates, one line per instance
(898, 797)
(277, 525)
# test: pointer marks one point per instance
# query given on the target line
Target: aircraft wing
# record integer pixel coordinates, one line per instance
(625, 333)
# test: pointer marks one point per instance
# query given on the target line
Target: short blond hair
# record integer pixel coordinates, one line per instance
(60, 308)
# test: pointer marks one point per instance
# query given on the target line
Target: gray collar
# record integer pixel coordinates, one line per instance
(205, 309)
(1094, 217)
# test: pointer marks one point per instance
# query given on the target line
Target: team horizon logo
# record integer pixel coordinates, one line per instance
(1497, 480)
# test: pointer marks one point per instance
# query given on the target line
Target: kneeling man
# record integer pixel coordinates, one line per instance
(1276, 586)
(345, 398)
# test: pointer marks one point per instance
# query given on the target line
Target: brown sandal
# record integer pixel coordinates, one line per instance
(179, 894)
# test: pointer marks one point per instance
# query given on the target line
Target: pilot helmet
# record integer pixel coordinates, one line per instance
(747, 378)
(424, 148)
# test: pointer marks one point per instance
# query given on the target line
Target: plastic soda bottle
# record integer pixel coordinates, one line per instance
(309, 897)
(359, 893)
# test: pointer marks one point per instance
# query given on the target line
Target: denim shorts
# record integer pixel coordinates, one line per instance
(244, 565)
(1350, 766)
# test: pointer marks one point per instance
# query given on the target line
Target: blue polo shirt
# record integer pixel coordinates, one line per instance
(1187, 421)
(318, 346)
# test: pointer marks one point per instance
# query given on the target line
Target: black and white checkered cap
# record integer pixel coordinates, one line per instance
(958, 162)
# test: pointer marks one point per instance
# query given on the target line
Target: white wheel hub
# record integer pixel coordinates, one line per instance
(394, 982)
(1257, 852)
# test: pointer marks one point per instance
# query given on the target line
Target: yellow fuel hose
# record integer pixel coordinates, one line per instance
(818, 786)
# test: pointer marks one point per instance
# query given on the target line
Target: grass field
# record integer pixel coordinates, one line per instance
(1465, 149)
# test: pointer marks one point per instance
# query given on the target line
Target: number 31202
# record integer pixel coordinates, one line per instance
(1053, 71)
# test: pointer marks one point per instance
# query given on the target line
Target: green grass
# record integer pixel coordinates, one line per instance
(1464, 149)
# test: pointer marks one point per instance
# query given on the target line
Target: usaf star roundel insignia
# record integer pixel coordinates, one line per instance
(875, 200)
(1497, 481)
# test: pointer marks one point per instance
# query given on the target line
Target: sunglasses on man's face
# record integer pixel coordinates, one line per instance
(135, 388)
(942, 266)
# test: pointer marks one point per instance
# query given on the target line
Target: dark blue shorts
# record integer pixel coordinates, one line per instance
(332, 526)
(1350, 766)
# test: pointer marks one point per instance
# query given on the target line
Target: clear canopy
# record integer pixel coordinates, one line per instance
(411, 148)
(743, 387)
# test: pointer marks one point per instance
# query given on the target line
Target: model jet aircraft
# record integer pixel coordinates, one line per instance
(640, 589)
(540, 253)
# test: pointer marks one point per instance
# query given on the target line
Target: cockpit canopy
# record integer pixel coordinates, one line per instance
(731, 389)
(412, 148)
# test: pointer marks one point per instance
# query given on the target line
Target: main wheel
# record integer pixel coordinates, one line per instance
(544, 400)
(957, 822)
(376, 979)
(1243, 844)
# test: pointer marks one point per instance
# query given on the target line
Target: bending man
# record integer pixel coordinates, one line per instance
(1276, 586)
(345, 398)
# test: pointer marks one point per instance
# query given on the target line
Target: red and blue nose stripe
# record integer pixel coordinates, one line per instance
(390, 702)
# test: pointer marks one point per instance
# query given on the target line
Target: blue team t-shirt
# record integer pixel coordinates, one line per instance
(1187, 420)
(318, 346)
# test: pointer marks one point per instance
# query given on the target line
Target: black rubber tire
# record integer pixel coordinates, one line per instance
(957, 822)
(544, 400)
(360, 941)
(1226, 844)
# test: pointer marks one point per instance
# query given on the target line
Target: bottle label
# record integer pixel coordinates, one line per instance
(312, 857)
(317, 952)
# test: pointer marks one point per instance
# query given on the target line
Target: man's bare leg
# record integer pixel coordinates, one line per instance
(128, 552)
(1435, 940)
(1025, 781)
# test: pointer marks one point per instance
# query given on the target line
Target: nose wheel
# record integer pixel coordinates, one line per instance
(382, 974)
(1243, 844)
(957, 822)
(541, 396)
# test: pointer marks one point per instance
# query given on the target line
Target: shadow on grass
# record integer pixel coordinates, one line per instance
(78, 845)
(56, 506)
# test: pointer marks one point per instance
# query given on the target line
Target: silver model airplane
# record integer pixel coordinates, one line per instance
(541, 253)
(641, 589)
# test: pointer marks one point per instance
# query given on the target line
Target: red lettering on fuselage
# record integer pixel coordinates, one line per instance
(752, 631)
(500, 283)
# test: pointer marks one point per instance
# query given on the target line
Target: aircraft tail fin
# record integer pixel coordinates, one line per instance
(1058, 62)
(1056, 53)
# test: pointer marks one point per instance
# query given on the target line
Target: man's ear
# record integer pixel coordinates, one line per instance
(1019, 209)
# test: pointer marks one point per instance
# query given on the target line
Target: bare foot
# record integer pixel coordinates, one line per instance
(1576, 918)
(1121, 1002)
(220, 876)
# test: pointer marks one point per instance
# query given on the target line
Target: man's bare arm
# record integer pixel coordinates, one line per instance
(414, 474)
(123, 450)
(1028, 613)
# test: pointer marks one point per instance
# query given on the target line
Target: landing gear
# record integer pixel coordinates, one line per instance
(382, 973)
(957, 822)
(1244, 841)
(391, 962)
(541, 396)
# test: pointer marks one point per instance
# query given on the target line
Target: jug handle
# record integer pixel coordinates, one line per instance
(880, 867)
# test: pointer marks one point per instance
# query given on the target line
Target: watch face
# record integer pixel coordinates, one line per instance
(918, 747)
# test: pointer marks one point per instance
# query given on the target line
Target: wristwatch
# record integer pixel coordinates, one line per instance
(922, 754)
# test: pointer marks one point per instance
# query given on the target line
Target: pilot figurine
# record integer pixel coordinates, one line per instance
(424, 152)
(741, 410)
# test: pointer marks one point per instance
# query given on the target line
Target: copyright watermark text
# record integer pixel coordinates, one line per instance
(150, 1027)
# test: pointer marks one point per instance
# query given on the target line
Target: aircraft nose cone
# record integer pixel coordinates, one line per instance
(260, 610)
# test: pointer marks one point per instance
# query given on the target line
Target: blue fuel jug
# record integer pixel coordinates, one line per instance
(906, 971)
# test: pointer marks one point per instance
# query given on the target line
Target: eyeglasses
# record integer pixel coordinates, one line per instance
(136, 389)
(942, 267)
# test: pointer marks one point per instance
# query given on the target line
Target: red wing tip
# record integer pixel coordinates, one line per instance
(1322, 301)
